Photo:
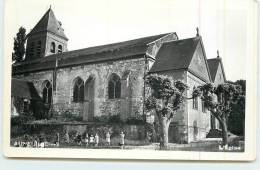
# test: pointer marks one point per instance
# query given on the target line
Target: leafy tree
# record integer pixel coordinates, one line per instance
(236, 120)
(219, 101)
(165, 97)
(19, 45)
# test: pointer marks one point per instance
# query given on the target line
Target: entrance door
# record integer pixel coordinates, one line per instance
(195, 131)
(89, 100)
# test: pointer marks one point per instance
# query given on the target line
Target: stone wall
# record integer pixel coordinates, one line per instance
(198, 121)
(130, 71)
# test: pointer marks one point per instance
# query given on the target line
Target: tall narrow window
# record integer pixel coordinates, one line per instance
(52, 49)
(47, 92)
(195, 103)
(78, 90)
(114, 87)
(31, 50)
(25, 105)
(203, 106)
(38, 50)
(60, 49)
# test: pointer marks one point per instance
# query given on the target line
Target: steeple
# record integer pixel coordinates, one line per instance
(49, 23)
(46, 38)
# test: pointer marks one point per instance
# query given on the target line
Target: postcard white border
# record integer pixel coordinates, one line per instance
(250, 122)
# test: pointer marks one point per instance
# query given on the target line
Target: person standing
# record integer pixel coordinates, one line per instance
(79, 139)
(57, 140)
(91, 140)
(122, 138)
(108, 138)
(35, 142)
(86, 139)
(67, 137)
(96, 139)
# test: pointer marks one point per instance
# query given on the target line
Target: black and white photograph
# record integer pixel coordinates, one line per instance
(130, 79)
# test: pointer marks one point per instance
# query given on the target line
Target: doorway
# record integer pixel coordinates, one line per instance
(89, 93)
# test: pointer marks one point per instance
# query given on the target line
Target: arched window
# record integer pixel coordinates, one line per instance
(47, 92)
(78, 90)
(114, 87)
(60, 49)
(52, 49)
(38, 50)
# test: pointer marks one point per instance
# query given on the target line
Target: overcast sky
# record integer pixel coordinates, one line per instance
(222, 23)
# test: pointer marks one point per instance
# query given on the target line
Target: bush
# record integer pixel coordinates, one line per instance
(19, 120)
(115, 119)
(108, 119)
(135, 120)
(68, 116)
(103, 118)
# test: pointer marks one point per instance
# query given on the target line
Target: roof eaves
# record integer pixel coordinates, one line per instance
(197, 75)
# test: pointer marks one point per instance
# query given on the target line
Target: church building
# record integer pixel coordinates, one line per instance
(109, 79)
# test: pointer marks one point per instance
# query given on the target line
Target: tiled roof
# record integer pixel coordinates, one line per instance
(115, 51)
(24, 89)
(49, 23)
(175, 55)
(213, 64)
(213, 67)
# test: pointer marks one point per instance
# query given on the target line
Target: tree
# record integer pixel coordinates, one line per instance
(236, 120)
(165, 97)
(19, 45)
(219, 101)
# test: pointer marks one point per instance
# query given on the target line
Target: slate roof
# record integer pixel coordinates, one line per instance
(109, 52)
(213, 64)
(175, 55)
(49, 23)
(213, 67)
(24, 89)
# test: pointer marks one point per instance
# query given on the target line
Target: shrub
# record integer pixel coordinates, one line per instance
(115, 119)
(108, 119)
(138, 120)
(68, 116)
(103, 118)
(19, 120)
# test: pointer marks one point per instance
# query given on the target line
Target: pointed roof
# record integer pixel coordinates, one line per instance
(178, 55)
(49, 23)
(213, 67)
(175, 55)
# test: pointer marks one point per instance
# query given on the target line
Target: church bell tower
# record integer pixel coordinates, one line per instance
(46, 38)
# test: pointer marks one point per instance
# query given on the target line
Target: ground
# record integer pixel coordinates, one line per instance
(201, 146)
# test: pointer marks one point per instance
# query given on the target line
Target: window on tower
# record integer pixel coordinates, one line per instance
(52, 50)
(60, 49)
(38, 50)
(31, 50)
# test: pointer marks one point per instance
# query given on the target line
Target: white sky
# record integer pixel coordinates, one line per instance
(222, 23)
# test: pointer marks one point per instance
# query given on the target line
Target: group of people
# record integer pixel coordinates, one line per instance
(37, 142)
(89, 140)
